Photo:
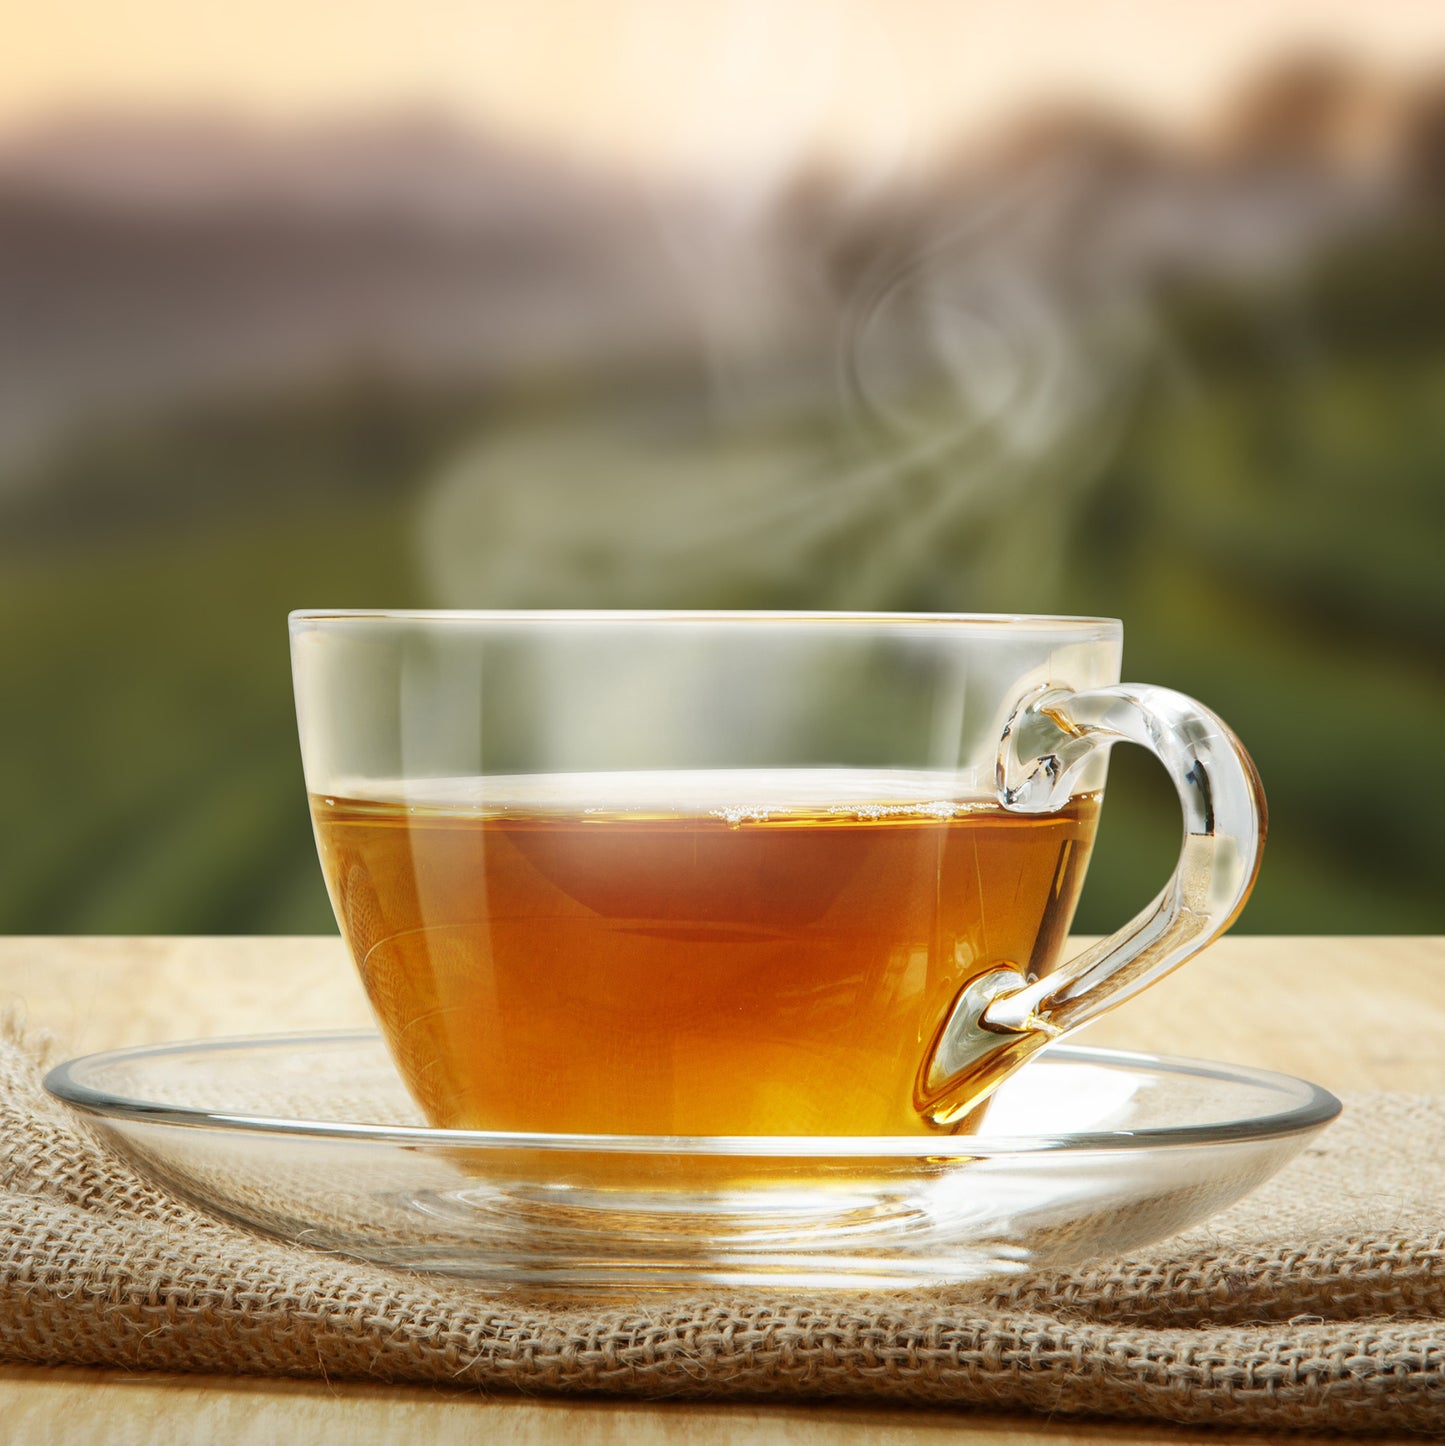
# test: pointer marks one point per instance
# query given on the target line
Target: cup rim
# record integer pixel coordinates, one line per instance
(1102, 628)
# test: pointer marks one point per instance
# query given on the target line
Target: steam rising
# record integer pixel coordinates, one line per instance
(944, 400)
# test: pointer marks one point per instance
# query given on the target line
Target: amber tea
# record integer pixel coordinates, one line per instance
(769, 953)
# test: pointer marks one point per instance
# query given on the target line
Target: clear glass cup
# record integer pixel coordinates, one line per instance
(740, 873)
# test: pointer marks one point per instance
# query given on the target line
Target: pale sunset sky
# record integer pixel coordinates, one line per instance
(678, 82)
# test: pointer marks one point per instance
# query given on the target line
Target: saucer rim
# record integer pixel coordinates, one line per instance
(1312, 1108)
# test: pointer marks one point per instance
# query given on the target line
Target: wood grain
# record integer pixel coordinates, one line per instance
(1349, 1013)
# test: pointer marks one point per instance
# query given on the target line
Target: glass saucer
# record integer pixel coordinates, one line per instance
(313, 1138)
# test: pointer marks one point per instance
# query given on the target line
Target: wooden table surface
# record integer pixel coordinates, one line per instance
(1348, 1013)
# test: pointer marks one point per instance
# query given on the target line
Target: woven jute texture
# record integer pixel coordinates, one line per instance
(1318, 1304)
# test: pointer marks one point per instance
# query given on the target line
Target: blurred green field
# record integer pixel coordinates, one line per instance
(1271, 534)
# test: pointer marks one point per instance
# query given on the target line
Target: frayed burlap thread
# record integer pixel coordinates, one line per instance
(1318, 1304)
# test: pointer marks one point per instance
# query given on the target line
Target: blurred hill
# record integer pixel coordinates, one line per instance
(149, 263)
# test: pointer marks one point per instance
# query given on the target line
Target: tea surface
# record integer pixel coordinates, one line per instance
(687, 954)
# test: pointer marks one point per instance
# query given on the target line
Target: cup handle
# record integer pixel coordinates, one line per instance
(1002, 1017)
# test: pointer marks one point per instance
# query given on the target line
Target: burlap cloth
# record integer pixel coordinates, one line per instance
(1317, 1304)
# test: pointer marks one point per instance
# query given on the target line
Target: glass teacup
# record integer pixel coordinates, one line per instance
(740, 873)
